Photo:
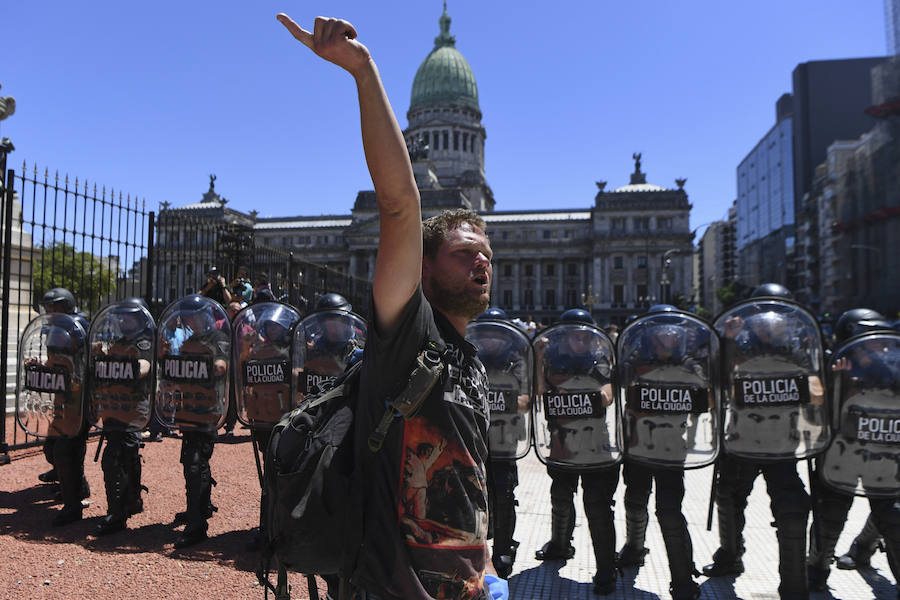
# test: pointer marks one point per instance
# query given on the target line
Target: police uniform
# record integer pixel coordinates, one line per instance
(653, 368)
(789, 500)
(832, 506)
(598, 484)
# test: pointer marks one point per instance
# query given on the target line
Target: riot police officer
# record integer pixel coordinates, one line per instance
(121, 348)
(61, 300)
(866, 379)
(667, 366)
(262, 348)
(194, 349)
(505, 352)
(774, 416)
(50, 394)
(574, 373)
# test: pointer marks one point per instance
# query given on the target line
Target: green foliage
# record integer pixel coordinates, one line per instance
(79, 272)
(727, 294)
(702, 312)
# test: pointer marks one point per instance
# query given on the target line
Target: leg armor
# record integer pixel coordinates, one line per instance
(734, 486)
(886, 517)
(790, 506)
(68, 459)
(638, 480)
(599, 488)
(562, 516)
(679, 550)
(116, 472)
(505, 480)
(829, 515)
(196, 450)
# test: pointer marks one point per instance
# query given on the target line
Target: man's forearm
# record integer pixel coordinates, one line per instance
(385, 149)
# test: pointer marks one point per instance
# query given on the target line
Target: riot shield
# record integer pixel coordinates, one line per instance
(668, 366)
(864, 455)
(193, 351)
(51, 374)
(120, 356)
(506, 355)
(262, 357)
(324, 343)
(773, 375)
(576, 425)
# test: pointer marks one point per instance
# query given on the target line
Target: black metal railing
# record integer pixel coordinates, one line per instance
(64, 232)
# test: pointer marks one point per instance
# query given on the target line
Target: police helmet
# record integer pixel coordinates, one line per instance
(662, 308)
(135, 300)
(196, 305)
(332, 301)
(132, 323)
(630, 318)
(493, 314)
(62, 300)
(772, 290)
(276, 323)
(667, 339)
(576, 315)
(63, 338)
(859, 320)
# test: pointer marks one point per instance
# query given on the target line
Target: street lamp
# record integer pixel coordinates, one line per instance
(665, 285)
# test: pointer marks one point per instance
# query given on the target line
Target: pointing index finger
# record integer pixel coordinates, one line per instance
(298, 32)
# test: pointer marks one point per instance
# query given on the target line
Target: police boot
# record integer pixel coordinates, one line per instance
(562, 525)
(862, 548)
(792, 560)
(134, 504)
(48, 476)
(70, 483)
(633, 551)
(198, 487)
(727, 559)
(823, 537)
(504, 554)
(116, 479)
(603, 539)
(680, 553)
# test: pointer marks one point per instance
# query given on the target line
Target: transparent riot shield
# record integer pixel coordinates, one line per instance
(864, 455)
(506, 355)
(120, 357)
(668, 366)
(193, 351)
(262, 358)
(773, 390)
(576, 424)
(324, 343)
(51, 376)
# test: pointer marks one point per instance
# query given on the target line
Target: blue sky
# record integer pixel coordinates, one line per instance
(150, 98)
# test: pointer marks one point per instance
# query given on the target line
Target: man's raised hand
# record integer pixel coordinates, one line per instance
(332, 39)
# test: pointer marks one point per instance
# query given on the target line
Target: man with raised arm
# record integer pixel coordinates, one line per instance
(430, 280)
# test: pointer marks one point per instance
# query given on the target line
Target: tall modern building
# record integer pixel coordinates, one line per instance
(892, 25)
(765, 202)
(774, 215)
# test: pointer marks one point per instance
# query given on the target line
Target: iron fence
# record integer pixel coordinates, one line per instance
(104, 245)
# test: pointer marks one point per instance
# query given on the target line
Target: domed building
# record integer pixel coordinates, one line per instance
(445, 127)
(631, 249)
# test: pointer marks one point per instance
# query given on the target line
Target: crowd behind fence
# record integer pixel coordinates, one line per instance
(104, 245)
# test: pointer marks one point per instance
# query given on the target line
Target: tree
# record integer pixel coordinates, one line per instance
(60, 265)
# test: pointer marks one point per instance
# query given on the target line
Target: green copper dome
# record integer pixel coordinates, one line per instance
(444, 77)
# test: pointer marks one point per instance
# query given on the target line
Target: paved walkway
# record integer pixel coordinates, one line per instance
(558, 580)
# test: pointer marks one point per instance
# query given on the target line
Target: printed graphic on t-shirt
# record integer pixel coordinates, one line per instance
(443, 506)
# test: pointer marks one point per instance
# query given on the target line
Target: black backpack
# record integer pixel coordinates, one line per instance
(312, 501)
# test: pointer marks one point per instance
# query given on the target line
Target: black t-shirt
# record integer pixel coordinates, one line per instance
(426, 521)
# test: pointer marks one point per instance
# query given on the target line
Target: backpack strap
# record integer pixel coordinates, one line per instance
(427, 371)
